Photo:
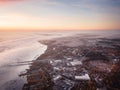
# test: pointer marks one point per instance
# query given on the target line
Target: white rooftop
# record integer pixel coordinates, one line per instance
(74, 63)
(83, 77)
(57, 77)
(58, 61)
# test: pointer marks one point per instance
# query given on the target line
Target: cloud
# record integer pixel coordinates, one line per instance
(44, 2)
(92, 5)
(8, 2)
(98, 5)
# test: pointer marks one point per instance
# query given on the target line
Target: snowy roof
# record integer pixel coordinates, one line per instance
(57, 61)
(57, 77)
(74, 63)
(83, 77)
(51, 62)
(56, 68)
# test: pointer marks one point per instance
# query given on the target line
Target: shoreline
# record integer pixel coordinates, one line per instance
(13, 81)
(57, 69)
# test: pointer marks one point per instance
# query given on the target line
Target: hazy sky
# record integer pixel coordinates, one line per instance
(59, 14)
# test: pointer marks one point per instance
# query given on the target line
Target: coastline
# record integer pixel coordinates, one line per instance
(17, 56)
(13, 69)
(57, 69)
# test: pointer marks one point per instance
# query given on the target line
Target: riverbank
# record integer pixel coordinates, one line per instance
(67, 64)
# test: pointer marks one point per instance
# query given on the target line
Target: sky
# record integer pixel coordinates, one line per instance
(59, 14)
